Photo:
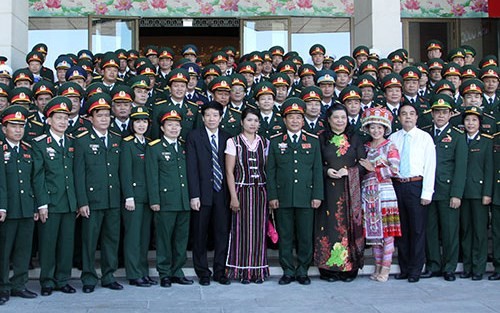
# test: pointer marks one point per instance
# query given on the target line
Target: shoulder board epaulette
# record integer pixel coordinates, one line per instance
(427, 111)
(276, 135)
(80, 135)
(39, 138)
(128, 138)
(496, 134)
(36, 123)
(159, 89)
(426, 127)
(154, 142)
(115, 133)
(487, 136)
(31, 116)
(160, 102)
(148, 139)
(234, 110)
(198, 88)
(97, 77)
(458, 129)
(192, 103)
(488, 115)
(26, 144)
(181, 140)
(278, 114)
(309, 134)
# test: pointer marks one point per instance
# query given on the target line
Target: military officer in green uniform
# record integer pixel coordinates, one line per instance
(443, 218)
(472, 92)
(75, 93)
(311, 96)
(295, 189)
(392, 85)
(169, 199)
(231, 118)
(177, 81)
(97, 158)
(17, 215)
(474, 212)
(136, 214)
(491, 78)
(495, 209)
(54, 190)
(272, 123)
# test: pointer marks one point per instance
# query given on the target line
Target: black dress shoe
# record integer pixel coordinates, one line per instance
(26, 294)
(466, 275)
(46, 291)
(245, 281)
(67, 289)
(329, 279)
(258, 281)
(4, 297)
(88, 288)
(477, 277)
(303, 280)
(429, 274)
(413, 279)
(494, 276)
(113, 286)
(204, 281)
(401, 276)
(448, 276)
(181, 280)
(165, 282)
(151, 281)
(139, 282)
(347, 279)
(223, 280)
(286, 279)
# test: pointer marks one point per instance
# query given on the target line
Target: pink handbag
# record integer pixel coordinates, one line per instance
(271, 229)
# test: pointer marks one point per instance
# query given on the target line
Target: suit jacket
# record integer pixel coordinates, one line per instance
(53, 180)
(199, 165)
(166, 175)
(96, 171)
(133, 169)
(18, 175)
(295, 171)
(451, 163)
(479, 182)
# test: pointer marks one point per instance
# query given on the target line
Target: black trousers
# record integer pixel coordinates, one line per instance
(413, 217)
(219, 214)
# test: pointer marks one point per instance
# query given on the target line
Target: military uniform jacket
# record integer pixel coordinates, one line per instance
(18, 175)
(451, 163)
(79, 127)
(479, 181)
(231, 121)
(188, 110)
(133, 169)
(496, 159)
(53, 180)
(116, 129)
(319, 127)
(96, 171)
(273, 127)
(167, 176)
(294, 171)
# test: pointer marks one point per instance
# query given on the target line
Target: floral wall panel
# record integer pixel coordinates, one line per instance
(444, 8)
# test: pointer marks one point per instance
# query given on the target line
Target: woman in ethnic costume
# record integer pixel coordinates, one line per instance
(245, 164)
(338, 233)
(379, 202)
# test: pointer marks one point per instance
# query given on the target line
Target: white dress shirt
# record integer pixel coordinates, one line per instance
(423, 157)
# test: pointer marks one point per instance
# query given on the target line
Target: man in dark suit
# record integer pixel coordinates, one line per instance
(208, 192)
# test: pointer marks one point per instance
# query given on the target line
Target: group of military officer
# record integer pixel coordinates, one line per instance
(53, 123)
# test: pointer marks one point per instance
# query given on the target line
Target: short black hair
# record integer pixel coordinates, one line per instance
(212, 105)
(250, 110)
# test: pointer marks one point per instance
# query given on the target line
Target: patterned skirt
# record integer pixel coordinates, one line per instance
(380, 210)
(247, 254)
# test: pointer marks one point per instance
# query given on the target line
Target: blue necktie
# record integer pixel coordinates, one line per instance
(405, 157)
(217, 172)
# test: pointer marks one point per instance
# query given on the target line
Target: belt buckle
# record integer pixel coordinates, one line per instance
(405, 180)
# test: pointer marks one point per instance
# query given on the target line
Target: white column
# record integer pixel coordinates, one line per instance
(377, 25)
(14, 32)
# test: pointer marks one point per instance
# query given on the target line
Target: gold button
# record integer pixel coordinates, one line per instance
(296, 181)
(295, 151)
(165, 190)
(20, 171)
(134, 184)
(21, 181)
(295, 170)
(110, 175)
(182, 185)
(295, 161)
(91, 189)
(110, 186)
(22, 191)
